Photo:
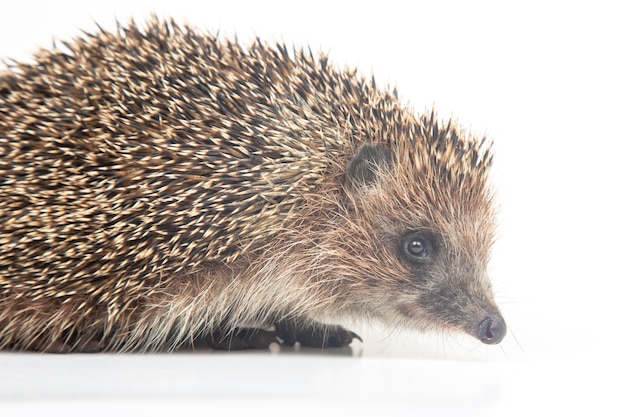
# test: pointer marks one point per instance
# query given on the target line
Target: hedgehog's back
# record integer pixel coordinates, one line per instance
(130, 158)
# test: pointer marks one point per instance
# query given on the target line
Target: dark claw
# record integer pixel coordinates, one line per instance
(356, 336)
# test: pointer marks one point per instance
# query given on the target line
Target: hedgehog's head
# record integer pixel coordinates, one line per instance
(421, 227)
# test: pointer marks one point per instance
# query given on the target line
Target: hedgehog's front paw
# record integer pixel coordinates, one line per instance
(320, 335)
(242, 338)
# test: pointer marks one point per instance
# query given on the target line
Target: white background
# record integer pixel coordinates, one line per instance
(546, 81)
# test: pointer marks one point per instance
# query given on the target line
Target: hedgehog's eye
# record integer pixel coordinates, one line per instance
(416, 247)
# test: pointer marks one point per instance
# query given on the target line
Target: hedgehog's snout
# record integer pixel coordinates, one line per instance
(491, 329)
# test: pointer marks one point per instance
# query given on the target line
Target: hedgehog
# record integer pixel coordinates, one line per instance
(162, 187)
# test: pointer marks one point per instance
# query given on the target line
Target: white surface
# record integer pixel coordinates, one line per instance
(546, 81)
(299, 384)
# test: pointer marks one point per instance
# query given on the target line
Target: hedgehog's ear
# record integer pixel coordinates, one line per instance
(367, 165)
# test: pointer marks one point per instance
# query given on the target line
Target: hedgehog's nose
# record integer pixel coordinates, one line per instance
(491, 329)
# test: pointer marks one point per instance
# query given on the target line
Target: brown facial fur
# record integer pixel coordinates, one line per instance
(158, 185)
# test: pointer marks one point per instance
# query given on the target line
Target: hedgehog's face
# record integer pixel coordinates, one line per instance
(428, 247)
